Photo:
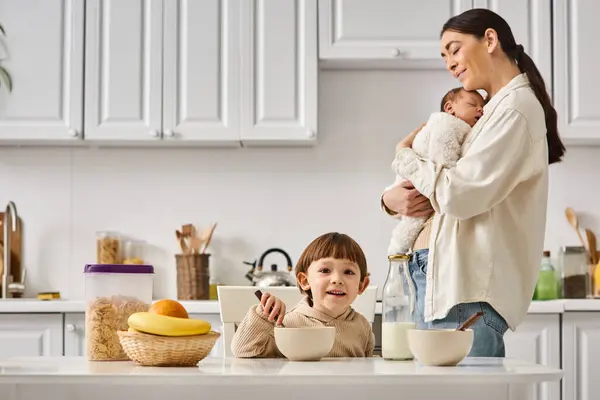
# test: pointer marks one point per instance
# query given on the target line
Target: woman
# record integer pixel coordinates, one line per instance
(481, 250)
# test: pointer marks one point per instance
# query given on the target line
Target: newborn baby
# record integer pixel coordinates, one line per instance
(440, 141)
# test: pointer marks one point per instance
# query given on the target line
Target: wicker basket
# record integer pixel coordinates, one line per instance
(167, 351)
(193, 276)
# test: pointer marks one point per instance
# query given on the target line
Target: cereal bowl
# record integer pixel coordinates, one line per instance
(306, 343)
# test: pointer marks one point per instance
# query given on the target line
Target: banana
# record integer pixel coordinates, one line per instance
(167, 326)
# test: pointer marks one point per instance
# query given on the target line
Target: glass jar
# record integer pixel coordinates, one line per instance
(574, 272)
(134, 251)
(547, 284)
(112, 294)
(108, 247)
(398, 304)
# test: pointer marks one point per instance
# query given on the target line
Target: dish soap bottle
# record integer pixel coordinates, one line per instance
(547, 284)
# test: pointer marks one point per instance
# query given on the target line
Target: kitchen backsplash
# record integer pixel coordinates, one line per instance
(261, 198)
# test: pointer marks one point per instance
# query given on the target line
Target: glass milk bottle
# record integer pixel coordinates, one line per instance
(398, 302)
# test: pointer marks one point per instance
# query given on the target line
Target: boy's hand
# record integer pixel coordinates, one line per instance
(273, 307)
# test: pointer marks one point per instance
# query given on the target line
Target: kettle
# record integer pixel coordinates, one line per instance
(261, 278)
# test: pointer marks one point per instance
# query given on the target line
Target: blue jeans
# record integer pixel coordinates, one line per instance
(488, 340)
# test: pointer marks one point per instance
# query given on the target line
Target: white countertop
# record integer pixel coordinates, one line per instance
(232, 371)
(212, 306)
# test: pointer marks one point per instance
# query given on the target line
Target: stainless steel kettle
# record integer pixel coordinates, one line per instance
(262, 278)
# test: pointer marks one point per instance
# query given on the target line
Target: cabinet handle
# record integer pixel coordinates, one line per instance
(395, 52)
(73, 133)
(169, 133)
(153, 133)
(71, 328)
(311, 134)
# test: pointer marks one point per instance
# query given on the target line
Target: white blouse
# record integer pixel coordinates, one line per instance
(487, 235)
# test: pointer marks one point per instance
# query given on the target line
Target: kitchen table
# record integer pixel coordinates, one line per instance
(74, 378)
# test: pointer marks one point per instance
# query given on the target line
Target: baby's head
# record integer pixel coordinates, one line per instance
(463, 104)
(332, 270)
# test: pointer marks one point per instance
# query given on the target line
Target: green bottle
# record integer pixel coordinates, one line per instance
(547, 284)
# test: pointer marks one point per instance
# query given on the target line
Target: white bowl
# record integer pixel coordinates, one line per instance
(305, 344)
(440, 347)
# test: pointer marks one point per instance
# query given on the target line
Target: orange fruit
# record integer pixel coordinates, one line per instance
(170, 308)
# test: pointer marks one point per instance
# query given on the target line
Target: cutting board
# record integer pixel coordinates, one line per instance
(16, 246)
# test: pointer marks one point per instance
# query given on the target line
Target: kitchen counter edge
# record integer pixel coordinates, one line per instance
(212, 306)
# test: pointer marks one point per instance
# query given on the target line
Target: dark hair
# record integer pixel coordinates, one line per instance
(475, 22)
(451, 95)
(335, 245)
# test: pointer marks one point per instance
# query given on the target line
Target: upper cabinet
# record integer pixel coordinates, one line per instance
(531, 25)
(576, 60)
(214, 72)
(403, 30)
(123, 67)
(43, 52)
(279, 71)
(201, 64)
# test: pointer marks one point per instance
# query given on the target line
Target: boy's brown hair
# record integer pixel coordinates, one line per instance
(336, 245)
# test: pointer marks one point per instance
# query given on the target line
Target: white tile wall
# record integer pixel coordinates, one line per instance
(261, 198)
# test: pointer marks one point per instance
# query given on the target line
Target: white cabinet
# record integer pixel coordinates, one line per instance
(580, 352)
(74, 334)
(210, 72)
(279, 71)
(576, 62)
(405, 30)
(30, 335)
(531, 25)
(43, 51)
(537, 340)
(123, 70)
(201, 71)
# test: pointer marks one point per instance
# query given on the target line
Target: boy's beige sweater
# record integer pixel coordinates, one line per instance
(254, 336)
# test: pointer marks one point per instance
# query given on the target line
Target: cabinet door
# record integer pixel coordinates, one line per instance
(216, 325)
(123, 91)
(384, 29)
(580, 350)
(537, 340)
(279, 72)
(43, 51)
(201, 71)
(531, 24)
(30, 335)
(576, 61)
(74, 333)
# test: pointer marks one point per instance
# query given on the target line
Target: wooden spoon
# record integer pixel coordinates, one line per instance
(472, 319)
(574, 221)
(591, 238)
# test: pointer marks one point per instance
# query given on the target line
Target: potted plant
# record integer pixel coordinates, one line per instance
(5, 78)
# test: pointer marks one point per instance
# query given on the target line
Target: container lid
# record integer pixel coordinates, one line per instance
(119, 268)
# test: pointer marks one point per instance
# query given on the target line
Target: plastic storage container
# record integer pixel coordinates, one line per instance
(108, 247)
(133, 251)
(113, 292)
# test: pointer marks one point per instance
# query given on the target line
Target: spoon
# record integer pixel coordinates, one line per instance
(472, 319)
(259, 294)
(574, 221)
(591, 238)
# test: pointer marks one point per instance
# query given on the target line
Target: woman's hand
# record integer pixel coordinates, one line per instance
(405, 200)
(273, 307)
(407, 142)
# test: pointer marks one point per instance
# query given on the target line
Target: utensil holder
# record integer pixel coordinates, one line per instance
(193, 276)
